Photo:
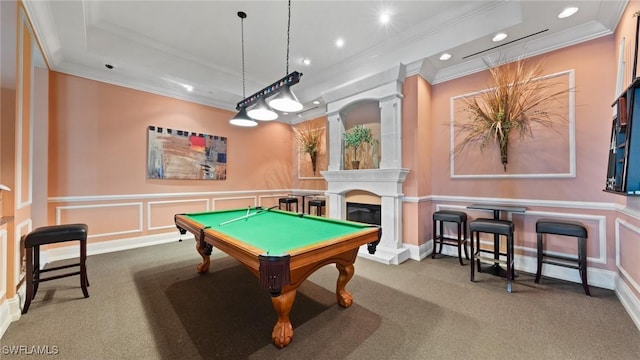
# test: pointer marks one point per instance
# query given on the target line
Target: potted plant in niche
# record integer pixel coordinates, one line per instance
(309, 142)
(354, 138)
(517, 98)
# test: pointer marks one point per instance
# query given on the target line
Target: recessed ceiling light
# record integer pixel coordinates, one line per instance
(445, 56)
(188, 87)
(384, 18)
(316, 102)
(306, 61)
(499, 37)
(339, 43)
(567, 12)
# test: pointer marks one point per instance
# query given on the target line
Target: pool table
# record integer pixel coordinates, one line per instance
(282, 249)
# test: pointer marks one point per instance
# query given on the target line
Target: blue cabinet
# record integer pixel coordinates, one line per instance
(623, 172)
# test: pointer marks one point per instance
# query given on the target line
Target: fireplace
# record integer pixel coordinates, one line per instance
(387, 180)
(365, 213)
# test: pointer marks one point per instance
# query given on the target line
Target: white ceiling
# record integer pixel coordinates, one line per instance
(158, 46)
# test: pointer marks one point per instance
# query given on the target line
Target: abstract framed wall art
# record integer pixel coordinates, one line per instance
(184, 155)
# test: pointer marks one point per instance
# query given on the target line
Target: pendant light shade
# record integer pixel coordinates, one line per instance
(285, 100)
(262, 111)
(242, 119)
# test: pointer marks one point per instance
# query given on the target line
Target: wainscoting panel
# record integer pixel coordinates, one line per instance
(628, 252)
(103, 219)
(225, 203)
(160, 213)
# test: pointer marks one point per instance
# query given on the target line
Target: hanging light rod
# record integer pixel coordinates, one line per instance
(242, 118)
(290, 79)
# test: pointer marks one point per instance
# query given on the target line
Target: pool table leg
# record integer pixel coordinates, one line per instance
(346, 273)
(205, 253)
(283, 330)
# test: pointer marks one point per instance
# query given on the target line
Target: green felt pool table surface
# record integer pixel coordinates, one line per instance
(273, 231)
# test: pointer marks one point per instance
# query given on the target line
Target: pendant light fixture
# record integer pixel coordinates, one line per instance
(262, 111)
(285, 100)
(241, 118)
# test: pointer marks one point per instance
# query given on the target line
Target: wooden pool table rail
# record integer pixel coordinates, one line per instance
(302, 262)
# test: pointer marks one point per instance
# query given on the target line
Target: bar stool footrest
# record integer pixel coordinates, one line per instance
(58, 268)
(449, 240)
(489, 260)
(558, 263)
(57, 277)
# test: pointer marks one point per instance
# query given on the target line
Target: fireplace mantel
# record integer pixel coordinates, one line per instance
(382, 182)
(387, 181)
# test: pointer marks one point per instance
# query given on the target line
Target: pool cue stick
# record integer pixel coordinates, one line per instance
(247, 216)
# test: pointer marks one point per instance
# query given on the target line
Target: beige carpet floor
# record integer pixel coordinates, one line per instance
(150, 303)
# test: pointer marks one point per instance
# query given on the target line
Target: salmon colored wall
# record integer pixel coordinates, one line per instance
(98, 156)
(594, 91)
(98, 133)
(21, 185)
(8, 71)
(626, 31)
(416, 156)
(16, 160)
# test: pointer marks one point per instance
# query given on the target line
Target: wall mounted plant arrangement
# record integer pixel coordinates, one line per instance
(518, 97)
(309, 141)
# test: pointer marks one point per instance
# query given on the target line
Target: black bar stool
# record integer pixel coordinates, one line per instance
(50, 235)
(458, 217)
(497, 228)
(565, 228)
(287, 202)
(318, 204)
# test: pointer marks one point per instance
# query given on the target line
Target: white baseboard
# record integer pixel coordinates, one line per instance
(605, 279)
(628, 300)
(4, 318)
(419, 252)
(11, 310)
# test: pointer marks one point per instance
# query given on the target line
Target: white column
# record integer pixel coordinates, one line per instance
(391, 132)
(337, 208)
(390, 249)
(336, 129)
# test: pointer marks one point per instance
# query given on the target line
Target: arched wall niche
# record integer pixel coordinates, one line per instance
(361, 112)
